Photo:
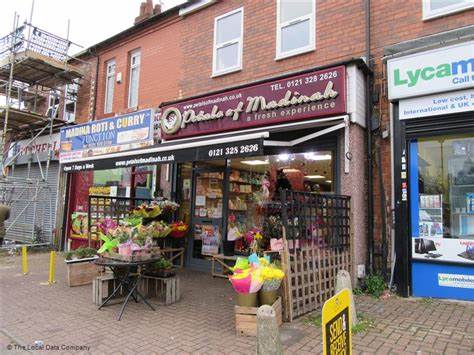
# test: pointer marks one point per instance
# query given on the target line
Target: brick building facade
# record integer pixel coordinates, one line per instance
(177, 49)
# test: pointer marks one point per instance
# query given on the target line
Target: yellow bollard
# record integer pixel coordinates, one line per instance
(52, 267)
(24, 260)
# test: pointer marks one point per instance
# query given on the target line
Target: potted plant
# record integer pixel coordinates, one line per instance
(272, 277)
(161, 268)
(80, 269)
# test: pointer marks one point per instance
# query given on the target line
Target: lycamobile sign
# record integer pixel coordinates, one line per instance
(443, 69)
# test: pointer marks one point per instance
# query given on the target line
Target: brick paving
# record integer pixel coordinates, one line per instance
(202, 322)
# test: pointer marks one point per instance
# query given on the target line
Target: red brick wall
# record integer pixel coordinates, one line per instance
(394, 22)
(159, 71)
(339, 36)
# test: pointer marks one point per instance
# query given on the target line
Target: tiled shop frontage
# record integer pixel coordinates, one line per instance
(58, 315)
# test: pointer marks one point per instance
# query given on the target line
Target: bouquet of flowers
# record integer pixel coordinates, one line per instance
(179, 229)
(272, 277)
(253, 238)
(159, 229)
(168, 206)
(151, 210)
(105, 225)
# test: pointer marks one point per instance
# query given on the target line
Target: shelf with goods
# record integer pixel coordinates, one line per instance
(462, 209)
(430, 215)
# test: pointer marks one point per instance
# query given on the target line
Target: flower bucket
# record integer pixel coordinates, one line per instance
(125, 249)
(267, 297)
(247, 299)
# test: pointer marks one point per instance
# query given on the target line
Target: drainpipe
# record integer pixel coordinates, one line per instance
(96, 87)
(368, 120)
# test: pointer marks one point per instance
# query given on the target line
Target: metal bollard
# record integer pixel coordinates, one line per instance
(24, 260)
(52, 267)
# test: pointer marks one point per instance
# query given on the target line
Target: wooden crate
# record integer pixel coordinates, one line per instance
(166, 289)
(246, 318)
(81, 273)
(103, 286)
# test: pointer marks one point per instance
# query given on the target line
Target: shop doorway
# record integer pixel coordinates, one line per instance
(207, 206)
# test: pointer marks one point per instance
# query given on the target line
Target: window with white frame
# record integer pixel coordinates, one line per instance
(109, 86)
(70, 98)
(295, 27)
(437, 8)
(228, 34)
(135, 59)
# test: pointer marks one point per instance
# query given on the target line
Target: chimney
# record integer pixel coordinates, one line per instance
(147, 11)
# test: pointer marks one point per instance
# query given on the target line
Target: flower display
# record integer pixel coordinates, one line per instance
(167, 206)
(253, 273)
(179, 229)
(151, 210)
(104, 225)
(158, 229)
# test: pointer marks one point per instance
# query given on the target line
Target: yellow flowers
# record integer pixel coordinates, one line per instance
(271, 273)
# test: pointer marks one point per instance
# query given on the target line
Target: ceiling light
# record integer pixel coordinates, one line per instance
(315, 176)
(283, 157)
(291, 170)
(317, 157)
(329, 181)
(255, 162)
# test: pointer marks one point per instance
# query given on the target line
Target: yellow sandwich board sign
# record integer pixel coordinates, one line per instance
(337, 324)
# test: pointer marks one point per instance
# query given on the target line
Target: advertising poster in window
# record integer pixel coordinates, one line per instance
(111, 135)
(442, 199)
(210, 239)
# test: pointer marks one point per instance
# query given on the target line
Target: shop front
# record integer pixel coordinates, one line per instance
(433, 99)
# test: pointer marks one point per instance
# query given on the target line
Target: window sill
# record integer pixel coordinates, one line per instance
(225, 72)
(293, 54)
(446, 13)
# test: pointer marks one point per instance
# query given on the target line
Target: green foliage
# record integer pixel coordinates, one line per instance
(68, 255)
(162, 263)
(314, 320)
(364, 323)
(375, 285)
(357, 291)
(426, 300)
(83, 252)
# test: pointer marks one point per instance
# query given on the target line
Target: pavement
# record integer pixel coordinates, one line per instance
(65, 320)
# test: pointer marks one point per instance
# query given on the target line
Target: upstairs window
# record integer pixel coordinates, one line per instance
(228, 34)
(438, 8)
(109, 86)
(70, 98)
(295, 27)
(135, 58)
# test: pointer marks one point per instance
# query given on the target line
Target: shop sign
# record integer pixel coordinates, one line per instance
(311, 95)
(228, 150)
(456, 280)
(442, 69)
(111, 135)
(38, 149)
(431, 246)
(336, 324)
(438, 104)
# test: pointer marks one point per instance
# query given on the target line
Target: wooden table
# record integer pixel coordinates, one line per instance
(220, 259)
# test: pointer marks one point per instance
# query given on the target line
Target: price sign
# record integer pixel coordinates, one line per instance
(337, 324)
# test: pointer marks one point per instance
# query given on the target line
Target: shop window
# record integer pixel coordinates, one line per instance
(442, 198)
(109, 86)
(135, 59)
(295, 27)
(438, 8)
(119, 178)
(228, 34)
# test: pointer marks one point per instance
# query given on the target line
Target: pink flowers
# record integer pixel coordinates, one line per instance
(106, 225)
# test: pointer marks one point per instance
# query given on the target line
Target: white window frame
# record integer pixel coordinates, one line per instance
(134, 54)
(69, 91)
(312, 32)
(428, 14)
(239, 40)
(109, 76)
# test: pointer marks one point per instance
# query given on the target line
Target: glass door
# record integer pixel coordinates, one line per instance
(207, 213)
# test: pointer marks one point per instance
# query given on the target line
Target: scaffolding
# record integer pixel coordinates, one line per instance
(34, 72)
